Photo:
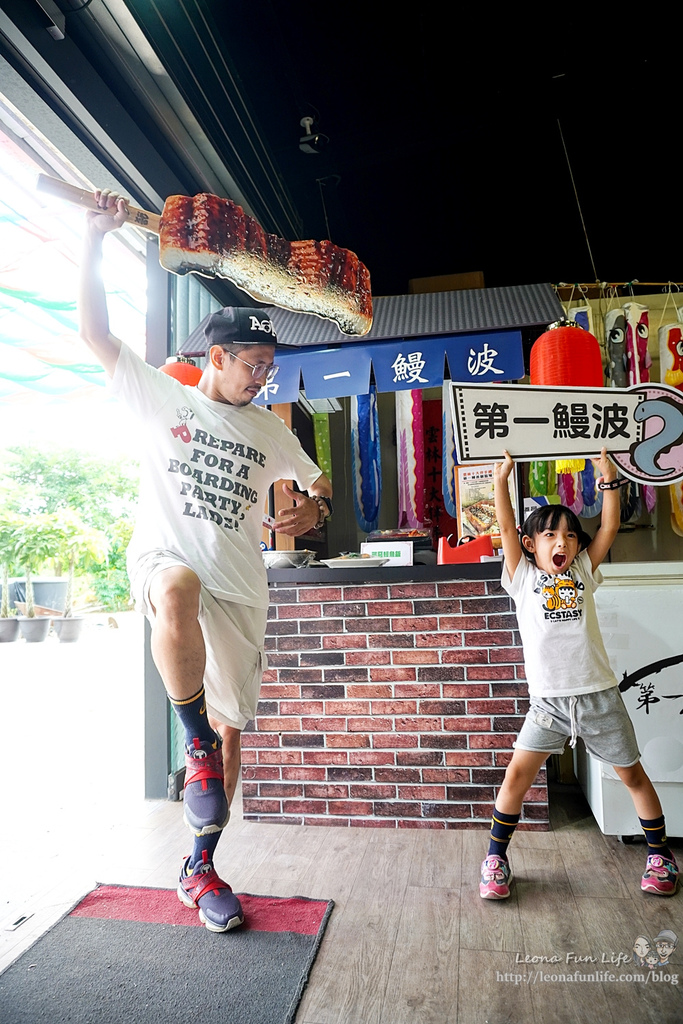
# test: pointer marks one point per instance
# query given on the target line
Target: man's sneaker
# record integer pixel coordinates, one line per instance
(219, 909)
(205, 803)
(661, 875)
(495, 878)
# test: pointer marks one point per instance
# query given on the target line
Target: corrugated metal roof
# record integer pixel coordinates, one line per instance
(455, 312)
(428, 313)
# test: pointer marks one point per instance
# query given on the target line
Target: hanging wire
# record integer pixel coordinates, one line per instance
(668, 290)
(335, 178)
(321, 182)
(576, 196)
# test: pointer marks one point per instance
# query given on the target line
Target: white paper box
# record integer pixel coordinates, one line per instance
(399, 552)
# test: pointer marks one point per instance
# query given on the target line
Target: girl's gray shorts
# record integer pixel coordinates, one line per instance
(600, 719)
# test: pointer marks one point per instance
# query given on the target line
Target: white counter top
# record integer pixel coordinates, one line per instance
(641, 573)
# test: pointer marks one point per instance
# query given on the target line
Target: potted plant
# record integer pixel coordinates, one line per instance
(78, 545)
(9, 624)
(35, 540)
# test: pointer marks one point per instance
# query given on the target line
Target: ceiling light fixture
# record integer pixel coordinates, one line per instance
(313, 141)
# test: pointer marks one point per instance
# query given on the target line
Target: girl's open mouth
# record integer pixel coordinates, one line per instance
(559, 561)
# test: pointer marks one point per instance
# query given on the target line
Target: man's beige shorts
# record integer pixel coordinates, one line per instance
(233, 635)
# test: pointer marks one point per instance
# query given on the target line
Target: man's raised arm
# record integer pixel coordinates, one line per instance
(92, 301)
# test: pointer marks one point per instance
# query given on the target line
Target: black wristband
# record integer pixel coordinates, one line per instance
(612, 485)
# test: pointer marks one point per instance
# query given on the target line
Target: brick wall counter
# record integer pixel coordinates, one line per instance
(390, 704)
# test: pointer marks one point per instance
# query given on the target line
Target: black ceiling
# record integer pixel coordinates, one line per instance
(445, 139)
(446, 131)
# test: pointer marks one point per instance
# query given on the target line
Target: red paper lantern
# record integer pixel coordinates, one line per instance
(182, 369)
(568, 356)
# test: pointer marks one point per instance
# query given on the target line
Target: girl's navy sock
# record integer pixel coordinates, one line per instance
(655, 836)
(502, 829)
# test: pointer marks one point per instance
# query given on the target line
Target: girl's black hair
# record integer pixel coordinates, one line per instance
(549, 517)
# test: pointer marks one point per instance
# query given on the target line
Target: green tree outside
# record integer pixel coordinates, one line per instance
(36, 483)
(33, 479)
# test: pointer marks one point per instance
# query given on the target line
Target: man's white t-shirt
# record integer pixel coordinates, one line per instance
(564, 653)
(206, 470)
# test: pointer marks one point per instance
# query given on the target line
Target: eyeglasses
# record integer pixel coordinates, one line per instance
(269, 370)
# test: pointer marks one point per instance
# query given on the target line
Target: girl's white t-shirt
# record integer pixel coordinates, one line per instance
(564, 653)
(206, 470)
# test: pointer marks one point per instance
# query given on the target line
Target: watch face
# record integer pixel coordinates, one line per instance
(329, 505)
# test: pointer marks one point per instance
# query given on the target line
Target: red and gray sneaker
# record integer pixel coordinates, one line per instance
(661, 875)
(205, 803)
(495, 878)
(219, 909)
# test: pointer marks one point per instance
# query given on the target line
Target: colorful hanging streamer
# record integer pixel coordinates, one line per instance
(410, 446)
(582, 315)
(539, 479)
(592, 497)
(570, 492)
(676, 494)
(321, 434)
(638, 363)
(449, 457)
(670, 337)
(615, 340)
(366, 464)
(671, 354)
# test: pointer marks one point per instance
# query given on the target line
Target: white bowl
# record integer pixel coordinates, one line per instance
(287, 559)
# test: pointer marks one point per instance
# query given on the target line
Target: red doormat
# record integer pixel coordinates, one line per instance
(134, 955)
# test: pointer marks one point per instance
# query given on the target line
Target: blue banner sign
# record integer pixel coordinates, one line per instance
(285, 387)
(484, 358)
(401, 365)
(336, 372)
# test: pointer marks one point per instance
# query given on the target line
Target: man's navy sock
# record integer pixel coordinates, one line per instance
(502, 829)
(206, 843)
(193, 718)
(655, 836)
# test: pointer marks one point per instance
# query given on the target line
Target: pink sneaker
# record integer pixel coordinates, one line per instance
(661, 875)
(495, 878)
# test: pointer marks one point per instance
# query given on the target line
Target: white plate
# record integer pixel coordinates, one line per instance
(353, 563)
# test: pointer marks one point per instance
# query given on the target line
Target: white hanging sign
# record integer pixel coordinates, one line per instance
(641, 427)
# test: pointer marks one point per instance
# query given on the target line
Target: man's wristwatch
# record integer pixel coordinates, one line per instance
(325, 508)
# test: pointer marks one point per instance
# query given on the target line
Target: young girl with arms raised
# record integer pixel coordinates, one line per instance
(552, 575)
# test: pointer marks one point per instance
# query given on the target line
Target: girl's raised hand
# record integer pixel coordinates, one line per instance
(607, 468)
(502, 470)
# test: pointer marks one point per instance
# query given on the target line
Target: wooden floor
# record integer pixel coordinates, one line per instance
(409, 939)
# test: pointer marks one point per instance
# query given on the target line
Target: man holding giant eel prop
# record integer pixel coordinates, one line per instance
(208, 457)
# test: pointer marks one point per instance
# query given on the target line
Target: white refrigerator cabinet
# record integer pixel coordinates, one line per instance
(640, 609)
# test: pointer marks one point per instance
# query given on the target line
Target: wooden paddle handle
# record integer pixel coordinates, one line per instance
(81, 197)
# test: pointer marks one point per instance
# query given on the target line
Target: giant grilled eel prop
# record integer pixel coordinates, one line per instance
(216, 238)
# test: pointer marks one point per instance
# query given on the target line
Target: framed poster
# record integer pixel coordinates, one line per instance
(476, 506)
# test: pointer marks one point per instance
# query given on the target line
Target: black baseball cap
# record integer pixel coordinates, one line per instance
(239, 325)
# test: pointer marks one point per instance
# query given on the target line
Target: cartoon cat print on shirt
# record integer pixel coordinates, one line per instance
(561, 595)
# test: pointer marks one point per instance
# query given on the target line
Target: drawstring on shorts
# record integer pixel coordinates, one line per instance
(572, 719)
